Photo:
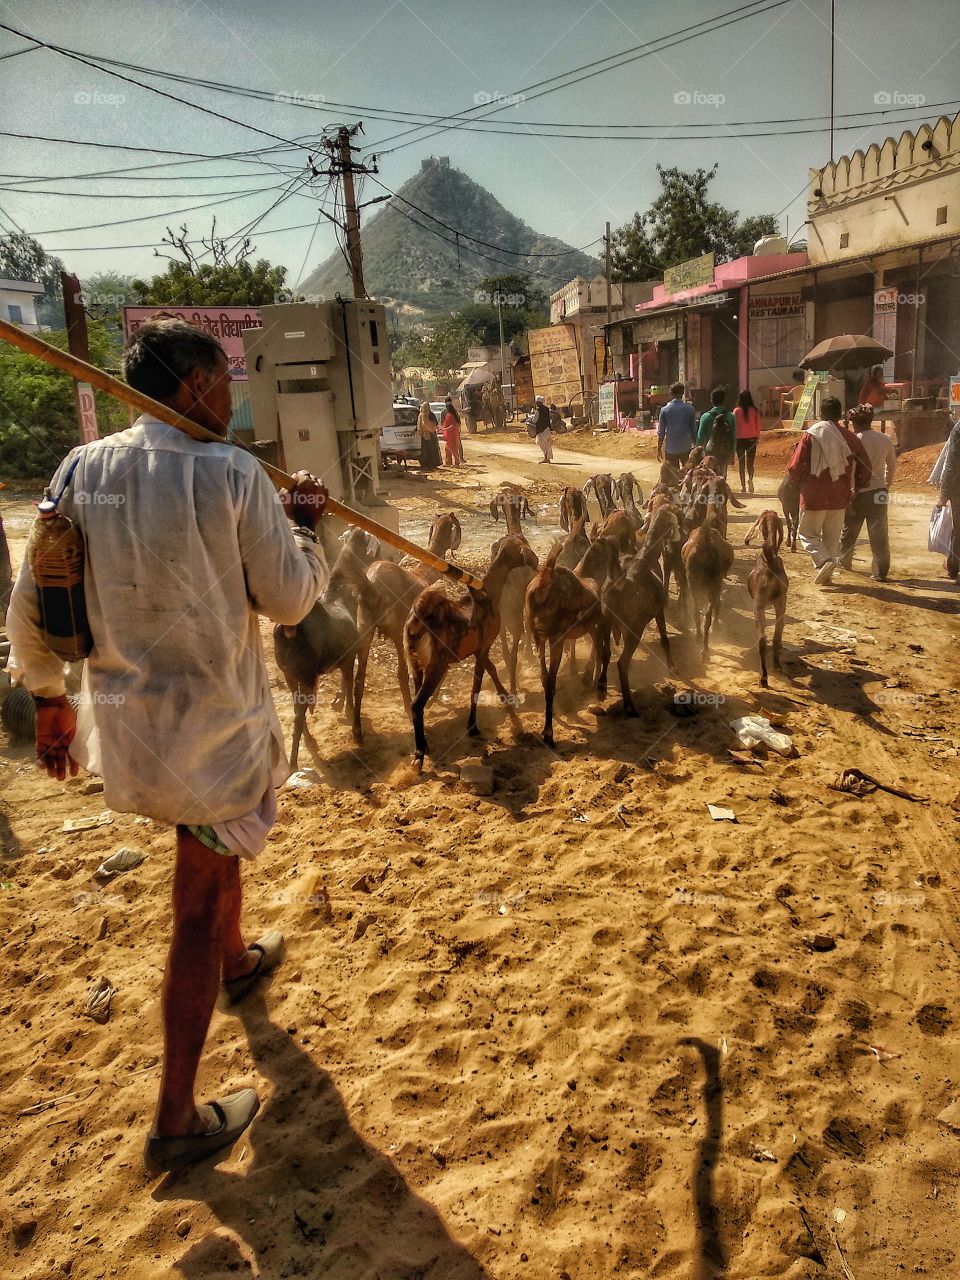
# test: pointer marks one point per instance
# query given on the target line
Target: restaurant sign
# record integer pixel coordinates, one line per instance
(226, 324)
(690, 274)
(776, 306)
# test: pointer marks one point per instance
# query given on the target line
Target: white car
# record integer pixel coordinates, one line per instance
(401, 442)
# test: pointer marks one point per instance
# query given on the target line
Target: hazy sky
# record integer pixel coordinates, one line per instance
(436, 56)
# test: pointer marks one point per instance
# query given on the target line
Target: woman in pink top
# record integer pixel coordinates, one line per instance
(747, 417)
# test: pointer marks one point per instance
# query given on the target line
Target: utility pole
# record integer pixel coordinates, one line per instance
(833, 42)
(78, 345)
(606, 240)
(354, 250)
(503, 377)
(342, 165)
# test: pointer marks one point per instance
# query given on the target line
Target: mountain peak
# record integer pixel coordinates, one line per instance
(415, 262)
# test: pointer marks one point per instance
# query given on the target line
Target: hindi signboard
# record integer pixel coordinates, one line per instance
(690, 274)
(555, 363)
(226, 324)
(606, 407)
(88, 412)
(805, 403)
(885, 324)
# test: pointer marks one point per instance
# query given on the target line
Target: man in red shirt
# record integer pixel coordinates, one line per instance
(827, 465)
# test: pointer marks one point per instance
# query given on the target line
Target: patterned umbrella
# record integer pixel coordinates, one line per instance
(846, 351)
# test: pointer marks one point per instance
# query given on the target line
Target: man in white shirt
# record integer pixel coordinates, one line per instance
(186, 543)
(870, 500)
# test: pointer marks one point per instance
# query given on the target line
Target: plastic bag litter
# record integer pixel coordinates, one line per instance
(752, 730)
(303, 778)
(124, 859)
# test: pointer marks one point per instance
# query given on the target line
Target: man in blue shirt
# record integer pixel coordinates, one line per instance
(675, 428)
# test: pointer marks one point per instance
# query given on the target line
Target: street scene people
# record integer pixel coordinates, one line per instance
(544, 435)
(871, 500)
(746, 417)
(452, 453)
(717, 432)
(828, 466)
(676, 428)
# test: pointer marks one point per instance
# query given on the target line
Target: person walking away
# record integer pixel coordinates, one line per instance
(874, 390)
(427, 426)
(544, 435)
(950, 492)
(676, 428)
(746, 416)
(870, 501)
(827, 465)
(451, 434)
(175, 710)
(718, 431)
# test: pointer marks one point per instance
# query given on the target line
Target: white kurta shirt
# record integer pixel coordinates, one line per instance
(186, 544)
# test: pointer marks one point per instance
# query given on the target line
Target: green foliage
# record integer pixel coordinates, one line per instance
(23, 258)
(105, 293)
(38, 416)
(232, 284)
(683, 223)
(406, 349)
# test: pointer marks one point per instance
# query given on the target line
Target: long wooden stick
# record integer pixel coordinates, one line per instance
(84, 372)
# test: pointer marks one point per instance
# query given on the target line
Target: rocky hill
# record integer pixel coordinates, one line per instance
(414, 263)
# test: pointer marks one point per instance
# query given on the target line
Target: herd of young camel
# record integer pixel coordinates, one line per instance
(606, 583)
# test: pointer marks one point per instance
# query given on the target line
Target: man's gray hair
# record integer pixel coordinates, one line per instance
(163, 351)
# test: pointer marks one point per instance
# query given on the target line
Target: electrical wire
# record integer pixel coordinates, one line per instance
(150, 217)
(475, 239)
(87, 62)
(594, 68)
(527, 128)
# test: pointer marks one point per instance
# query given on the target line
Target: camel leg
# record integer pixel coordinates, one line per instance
(549, 688)
(630, 643)
(403, 676)
(472, 729)
(665, 641)
(427, 687)
(778, 635)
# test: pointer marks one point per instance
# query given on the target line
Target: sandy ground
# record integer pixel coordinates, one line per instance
(572, 1030)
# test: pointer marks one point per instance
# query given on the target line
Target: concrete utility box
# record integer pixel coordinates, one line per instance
(320, 387)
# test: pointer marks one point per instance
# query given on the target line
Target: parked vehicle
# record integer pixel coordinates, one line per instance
(401, 442)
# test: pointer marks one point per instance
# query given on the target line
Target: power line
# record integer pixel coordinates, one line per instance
(526, 128)
(105, 248)
(153, 151)
(150, 217)
(76, 57)
(594, 68)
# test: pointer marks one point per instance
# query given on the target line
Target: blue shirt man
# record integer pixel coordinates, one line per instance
(676, 428)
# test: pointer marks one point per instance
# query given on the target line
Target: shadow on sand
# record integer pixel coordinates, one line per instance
(315, 1198)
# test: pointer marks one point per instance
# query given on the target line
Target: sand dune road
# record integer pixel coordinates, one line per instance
(571, 1030)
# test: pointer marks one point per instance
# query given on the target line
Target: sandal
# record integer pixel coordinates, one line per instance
(234, 1113)
(270, 947)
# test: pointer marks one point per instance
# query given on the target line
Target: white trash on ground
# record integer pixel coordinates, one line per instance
(752, 730)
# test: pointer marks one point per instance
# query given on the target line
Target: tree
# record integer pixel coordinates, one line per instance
(681, 223)
(228, 279)
(445, 349)
(406, 348)
(105, 293)
(516, 289)
(632, 255)
(38, 416)
(23, 258)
